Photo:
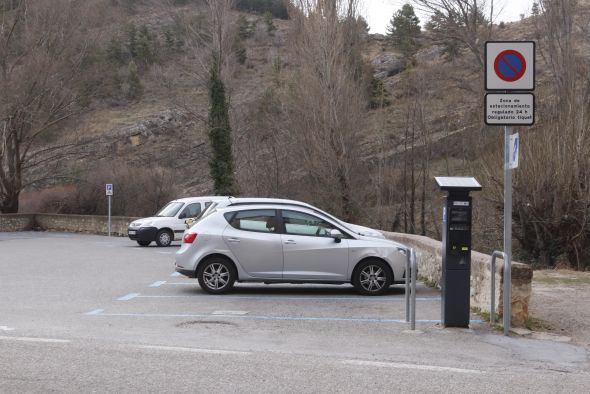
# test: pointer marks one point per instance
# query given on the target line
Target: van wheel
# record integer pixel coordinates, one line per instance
(144, 243)
(216, 275)
(164, 238)
(372, 277)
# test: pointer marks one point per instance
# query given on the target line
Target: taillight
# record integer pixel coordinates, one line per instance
(189, 238)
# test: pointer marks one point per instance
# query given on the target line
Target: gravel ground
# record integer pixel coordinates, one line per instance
(561, 303)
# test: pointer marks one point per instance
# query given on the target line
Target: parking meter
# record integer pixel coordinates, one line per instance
(456, 249)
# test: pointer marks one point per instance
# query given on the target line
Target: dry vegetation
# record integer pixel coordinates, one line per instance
(309, 118)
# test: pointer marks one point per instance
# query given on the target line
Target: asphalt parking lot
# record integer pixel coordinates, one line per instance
(91, 313)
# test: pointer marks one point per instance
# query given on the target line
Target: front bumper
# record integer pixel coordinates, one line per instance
(145, 234)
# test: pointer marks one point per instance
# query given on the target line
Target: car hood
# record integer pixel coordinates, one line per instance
(144, 222)
(384, 242)
(365, 231)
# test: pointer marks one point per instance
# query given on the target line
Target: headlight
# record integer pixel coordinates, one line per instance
(136, 224)
(147, 224)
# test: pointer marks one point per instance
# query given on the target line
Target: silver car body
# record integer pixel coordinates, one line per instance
(278, 257)
(229, 201)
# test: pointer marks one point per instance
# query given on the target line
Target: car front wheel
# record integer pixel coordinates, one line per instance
(164, 238)
(372, 277)
(216, 275)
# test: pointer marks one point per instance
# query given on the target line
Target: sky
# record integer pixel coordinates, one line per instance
(379, 12)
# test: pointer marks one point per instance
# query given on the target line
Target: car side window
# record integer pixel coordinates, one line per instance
(259, 220)
(298, 223)
(190, 211)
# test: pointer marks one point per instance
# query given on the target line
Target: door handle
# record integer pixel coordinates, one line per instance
(290, 242)
(232, 239)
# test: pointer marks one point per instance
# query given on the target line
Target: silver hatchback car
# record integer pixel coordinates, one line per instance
(278, 243)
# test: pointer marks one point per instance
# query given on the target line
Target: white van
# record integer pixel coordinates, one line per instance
(168, 224)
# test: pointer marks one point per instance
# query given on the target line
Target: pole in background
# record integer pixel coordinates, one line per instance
(109, 193)
(507, 230)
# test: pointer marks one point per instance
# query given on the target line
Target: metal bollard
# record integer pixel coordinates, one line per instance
(413, 303)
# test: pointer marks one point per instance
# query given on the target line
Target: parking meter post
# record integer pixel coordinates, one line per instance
(110, 197)
(507, 230)
(407, 275)
(413, 270)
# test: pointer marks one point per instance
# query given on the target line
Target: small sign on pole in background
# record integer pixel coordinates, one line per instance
(514, 151)
(109, 189)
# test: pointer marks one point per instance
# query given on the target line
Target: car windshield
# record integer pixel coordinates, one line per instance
(170, 210)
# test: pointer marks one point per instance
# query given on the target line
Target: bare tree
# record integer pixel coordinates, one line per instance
(460, 22)
(552, 183)
(41, 54)
(326, 99)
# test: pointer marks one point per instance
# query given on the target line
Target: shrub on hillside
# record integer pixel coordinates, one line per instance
(276, 7)
(138, 191)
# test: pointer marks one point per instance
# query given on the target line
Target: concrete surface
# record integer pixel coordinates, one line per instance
(82, 313)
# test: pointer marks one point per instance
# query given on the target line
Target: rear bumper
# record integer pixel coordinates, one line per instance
(185, 272)
(146, 234)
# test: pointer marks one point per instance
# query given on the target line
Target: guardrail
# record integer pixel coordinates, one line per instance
(410, 286)
(506, 310)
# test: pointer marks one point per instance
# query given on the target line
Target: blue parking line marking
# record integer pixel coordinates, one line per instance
(175, 274)
(285, 318)
(95, 312)
(158, 284)
(128, 297)
(288, 298)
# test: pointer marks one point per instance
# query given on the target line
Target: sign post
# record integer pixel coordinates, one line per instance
(109, 193)
(510, 68)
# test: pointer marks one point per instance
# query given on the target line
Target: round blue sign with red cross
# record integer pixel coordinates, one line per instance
(510, 65)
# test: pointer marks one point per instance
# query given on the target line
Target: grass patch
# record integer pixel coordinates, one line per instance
(534, 324)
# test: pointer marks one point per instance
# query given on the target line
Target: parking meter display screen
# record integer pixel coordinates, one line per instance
(459, 216)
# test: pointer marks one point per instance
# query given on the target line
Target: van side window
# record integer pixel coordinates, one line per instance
(191, 211)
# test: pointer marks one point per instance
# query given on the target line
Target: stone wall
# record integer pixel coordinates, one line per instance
(429, 260)
(17, 222)
(91, 224)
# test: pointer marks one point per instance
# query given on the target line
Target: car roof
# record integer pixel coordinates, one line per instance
(258, 200)
(199, 199)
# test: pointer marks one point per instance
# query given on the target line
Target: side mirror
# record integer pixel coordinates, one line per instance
(189, 222)
(337, 235)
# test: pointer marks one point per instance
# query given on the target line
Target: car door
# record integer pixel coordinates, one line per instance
(308, 250)
(189, 211)
(253, 239)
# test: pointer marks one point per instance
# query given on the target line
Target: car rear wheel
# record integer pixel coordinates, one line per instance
(164, 238)
(372, 277)
(144, 243)
(216, 275)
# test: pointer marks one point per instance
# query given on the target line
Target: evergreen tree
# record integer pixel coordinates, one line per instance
(270, 26)
(115, 51)
(146, 45)
(135, 87)
(403, 30)
(132, 40)
(221, 164)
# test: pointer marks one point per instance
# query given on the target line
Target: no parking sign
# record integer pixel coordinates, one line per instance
(510, 65)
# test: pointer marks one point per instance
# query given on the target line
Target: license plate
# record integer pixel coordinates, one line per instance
(132, 232)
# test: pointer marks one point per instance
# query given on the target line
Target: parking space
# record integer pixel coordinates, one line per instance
(62, 294)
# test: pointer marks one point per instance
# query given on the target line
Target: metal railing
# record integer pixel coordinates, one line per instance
(507, 307)
(410, 286)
